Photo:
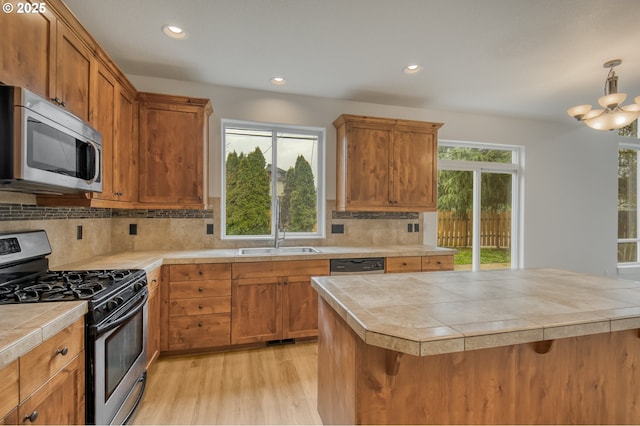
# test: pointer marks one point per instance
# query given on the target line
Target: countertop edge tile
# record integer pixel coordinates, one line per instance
(30, 338)
(438, 347)
(503, 339)
(574, 330)
(39, 327)
(397, 344)
(625, 324)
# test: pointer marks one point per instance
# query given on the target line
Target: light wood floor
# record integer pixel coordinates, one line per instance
(274, 385)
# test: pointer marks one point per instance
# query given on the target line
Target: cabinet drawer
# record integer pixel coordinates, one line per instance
(437, 263)
(199, 331)
(199, 271)
(61, 400)
(403, 264)
(200, 306)
(206, 288)
(37, 366)
(9, 397)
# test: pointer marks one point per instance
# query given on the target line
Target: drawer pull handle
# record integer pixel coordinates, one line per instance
(64, 351)
(200, 306)
(200, 289)
(32, 417)
(200, 324)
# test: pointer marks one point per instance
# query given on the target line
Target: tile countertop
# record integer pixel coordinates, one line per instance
(440, 312)
(150, 260)
(25, 326)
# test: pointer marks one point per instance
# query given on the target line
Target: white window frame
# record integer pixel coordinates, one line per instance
(275, 128)
(627, 143)
(515, 168)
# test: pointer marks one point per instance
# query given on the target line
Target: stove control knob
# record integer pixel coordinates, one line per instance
(111, 305)
(139, 285)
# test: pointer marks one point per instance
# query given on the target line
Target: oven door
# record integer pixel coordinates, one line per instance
(119, 362)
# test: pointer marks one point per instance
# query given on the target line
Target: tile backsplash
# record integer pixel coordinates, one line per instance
(109, 230)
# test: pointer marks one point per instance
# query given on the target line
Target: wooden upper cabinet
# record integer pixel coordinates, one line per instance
(103, 103)
(125, 151)
(27, 49)
(73, 73)
(386, 164)
(173, 150)
(40, 52)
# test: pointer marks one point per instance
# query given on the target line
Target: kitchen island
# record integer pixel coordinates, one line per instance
(536, 346)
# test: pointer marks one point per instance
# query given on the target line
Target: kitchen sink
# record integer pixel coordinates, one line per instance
(279, 250)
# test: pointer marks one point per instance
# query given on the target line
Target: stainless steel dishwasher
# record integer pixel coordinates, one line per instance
(364, 265)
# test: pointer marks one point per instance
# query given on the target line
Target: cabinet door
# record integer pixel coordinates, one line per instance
(256, 310)
(61, 400)
(125, 155)
(9, 388)
(172, 154)
(300, 308)
(103, 101)
(414, 171)
(73, 72)
(368, 161)
(27, 50)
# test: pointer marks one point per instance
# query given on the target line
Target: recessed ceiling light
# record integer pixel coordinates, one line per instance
(174, 32)
(412, 69)
(278, 81)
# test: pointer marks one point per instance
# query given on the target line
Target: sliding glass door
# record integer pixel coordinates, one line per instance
(477, 194)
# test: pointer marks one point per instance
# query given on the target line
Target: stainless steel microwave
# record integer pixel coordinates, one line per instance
(44, 148)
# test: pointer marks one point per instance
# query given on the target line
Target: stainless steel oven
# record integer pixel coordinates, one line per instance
(118, 356)
(44, 148)
(115, 323)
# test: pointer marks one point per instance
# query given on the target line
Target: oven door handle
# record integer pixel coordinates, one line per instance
(139, 306)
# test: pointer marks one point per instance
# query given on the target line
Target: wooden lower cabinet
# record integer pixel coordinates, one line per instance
(52, 380)
(403, 264)
(274, 300)
(437, 263)
(9, 390)
(11, 418)
(419, 263)
(61, 400)
(198, 306)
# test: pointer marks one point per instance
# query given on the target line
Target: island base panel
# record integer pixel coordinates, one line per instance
(580, 380)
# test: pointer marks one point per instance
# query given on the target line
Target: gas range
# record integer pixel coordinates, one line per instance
(25, 278)
(115, 323)
(104, 290)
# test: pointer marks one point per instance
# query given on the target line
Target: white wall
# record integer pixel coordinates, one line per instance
(570, 191)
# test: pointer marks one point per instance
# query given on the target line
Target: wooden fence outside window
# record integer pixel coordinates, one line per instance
(495, 230)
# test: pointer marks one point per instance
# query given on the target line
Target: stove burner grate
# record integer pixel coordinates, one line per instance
(50, 286)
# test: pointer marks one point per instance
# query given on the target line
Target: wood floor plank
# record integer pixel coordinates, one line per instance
(274, 385)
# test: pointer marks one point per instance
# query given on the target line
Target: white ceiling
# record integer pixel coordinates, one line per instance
(529, 58)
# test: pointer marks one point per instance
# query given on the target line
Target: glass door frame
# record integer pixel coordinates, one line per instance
(635, 146)
(517, 184)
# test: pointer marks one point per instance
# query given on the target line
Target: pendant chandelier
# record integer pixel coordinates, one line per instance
(613, 116)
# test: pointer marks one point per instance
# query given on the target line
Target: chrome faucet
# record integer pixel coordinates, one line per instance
(277, 240)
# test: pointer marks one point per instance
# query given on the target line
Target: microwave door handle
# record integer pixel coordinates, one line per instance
(96, 174)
